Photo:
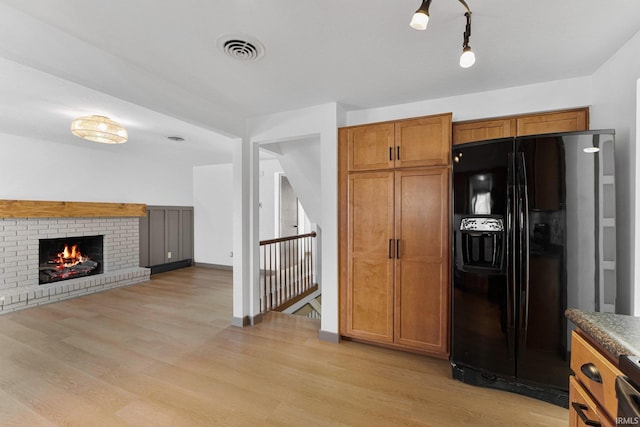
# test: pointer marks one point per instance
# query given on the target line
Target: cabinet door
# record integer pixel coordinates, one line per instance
(423, 142)
(369, 252)
(564, 121)
(582, 409)
(483, 130)
(603, 391)
(370, 147)
(422, 259)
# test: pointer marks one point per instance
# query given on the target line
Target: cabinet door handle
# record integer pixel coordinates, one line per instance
(579, 408)
(398, 155)
(390, 153)
(398, 248)
(591, 371)
(390, 248)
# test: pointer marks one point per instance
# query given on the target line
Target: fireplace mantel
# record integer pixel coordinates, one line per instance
(47, 209)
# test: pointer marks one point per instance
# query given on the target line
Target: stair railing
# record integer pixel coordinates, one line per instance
(286, 271)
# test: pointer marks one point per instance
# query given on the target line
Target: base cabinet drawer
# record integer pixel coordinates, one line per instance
(596, 374)
(583, 411)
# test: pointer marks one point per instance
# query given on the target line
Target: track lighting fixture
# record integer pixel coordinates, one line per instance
(420, 20)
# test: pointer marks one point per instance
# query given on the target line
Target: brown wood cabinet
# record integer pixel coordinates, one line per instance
(561, 121)
(528, 124)
(423, 142)
(404, 143)
(422, 259)
(393, 233)
(481, 130)
(369, 300)
(589, 399)
(371, 147)
(582, 408)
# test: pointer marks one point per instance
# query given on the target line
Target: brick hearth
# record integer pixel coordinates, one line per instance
(19, 261)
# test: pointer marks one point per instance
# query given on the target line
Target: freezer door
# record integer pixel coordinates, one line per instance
(567, 244)
(483, 334)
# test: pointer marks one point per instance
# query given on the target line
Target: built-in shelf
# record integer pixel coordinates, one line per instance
(49, 209)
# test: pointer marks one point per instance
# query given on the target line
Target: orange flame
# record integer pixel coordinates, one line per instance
(70, 257)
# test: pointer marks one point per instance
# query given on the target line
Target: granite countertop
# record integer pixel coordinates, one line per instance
(619, 334)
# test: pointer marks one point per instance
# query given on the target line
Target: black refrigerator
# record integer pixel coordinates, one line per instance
(533, 234)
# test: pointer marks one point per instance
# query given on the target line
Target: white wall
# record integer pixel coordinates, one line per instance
(213, 214)
(300, 163)
(35, 169)
(614, 106)
(269, 172)
(517, 100)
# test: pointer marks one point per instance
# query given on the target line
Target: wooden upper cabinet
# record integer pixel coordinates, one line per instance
(370, 147)
(483, 130)
(424, 141)
(562, 121)
(528, 124)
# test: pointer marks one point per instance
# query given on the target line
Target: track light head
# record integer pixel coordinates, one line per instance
(420, 18)
(468, 58)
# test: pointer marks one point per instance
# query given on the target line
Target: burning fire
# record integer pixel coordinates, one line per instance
(69, 257)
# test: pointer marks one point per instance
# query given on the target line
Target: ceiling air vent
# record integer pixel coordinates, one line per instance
(241, 47)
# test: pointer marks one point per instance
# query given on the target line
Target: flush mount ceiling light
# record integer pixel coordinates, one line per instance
(420, 20)
(99, 129)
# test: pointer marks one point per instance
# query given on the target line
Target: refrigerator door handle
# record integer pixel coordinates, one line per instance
(510, 259)
(523, 243)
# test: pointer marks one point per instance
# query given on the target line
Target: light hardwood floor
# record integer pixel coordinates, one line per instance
(163, 353)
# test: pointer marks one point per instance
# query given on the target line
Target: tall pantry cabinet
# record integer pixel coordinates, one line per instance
(394, 233)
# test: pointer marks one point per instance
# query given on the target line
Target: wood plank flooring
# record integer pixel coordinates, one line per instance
(163, 353)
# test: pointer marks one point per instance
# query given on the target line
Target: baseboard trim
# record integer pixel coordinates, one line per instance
(161, 268)
(215, 266)
(256, 319)
(328, 336)
(240, 322)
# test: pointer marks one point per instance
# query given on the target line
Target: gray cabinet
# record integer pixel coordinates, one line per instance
(166, 236)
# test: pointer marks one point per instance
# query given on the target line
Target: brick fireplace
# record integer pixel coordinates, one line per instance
(19, 252)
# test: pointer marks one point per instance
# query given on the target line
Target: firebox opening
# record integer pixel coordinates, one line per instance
(70, 257)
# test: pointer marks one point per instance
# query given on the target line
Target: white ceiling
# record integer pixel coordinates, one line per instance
(154, 65)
